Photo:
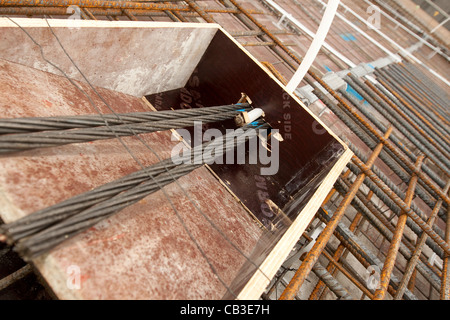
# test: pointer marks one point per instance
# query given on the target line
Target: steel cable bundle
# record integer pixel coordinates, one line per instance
(46, 132)
(35, 124)
(43, 230)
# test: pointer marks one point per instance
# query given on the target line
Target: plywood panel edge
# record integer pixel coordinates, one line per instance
(67, 23)
(259, 281)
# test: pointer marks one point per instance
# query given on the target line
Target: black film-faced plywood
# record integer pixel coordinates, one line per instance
(307, 152)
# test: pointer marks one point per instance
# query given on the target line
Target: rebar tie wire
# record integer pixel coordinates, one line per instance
(43, 230)
(46, 132)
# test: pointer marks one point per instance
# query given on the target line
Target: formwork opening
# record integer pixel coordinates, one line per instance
(224, 72)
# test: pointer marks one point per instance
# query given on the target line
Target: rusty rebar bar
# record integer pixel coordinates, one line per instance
(384, 227)
(389, 159)
(331, 282)
(339, 267)
(266, 31)
(88, 14)
(340, 250)
(398, 111)
(377, 218)
(265, 44)
(418, 88)
(396, 239)
(390, 85)
(391, 150)
(15, 276)
(360, 251)
(408, 109)
(399, 202)
(401, 158)
(202, 13)
(411, 266)
(407, 113)
(255, 33)
(426, 103)
(42, 11)
(244, 16)
(341, 254)
(391, 205)
(374, 210)
(127, 5)
(445, 282)
(407, 84)
(312, 256)
(440, 161)
(437, 154)
(429, 87)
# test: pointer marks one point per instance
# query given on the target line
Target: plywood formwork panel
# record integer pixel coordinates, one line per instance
(224, 72)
